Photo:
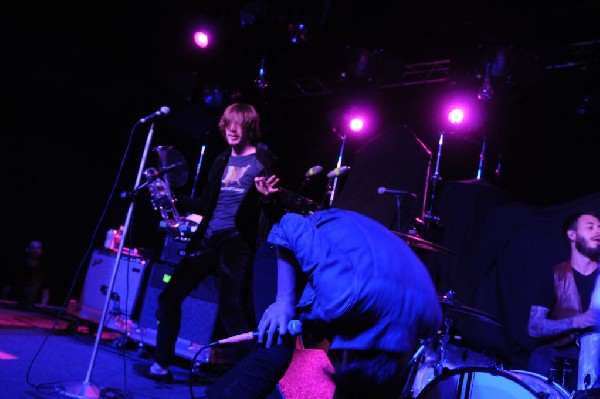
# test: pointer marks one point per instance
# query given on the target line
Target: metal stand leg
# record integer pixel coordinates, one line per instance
(87, 389)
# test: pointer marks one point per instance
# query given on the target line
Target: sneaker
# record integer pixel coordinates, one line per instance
(164, 377)
(146, 371)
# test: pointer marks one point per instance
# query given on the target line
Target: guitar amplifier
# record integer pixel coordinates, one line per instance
(125, 290)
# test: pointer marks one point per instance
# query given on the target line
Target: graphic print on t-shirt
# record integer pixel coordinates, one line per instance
(232, 178)
(238, 177)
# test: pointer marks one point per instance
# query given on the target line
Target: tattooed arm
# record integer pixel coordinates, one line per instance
(540, 326)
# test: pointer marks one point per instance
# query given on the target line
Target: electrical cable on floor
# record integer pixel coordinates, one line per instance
(193, 363)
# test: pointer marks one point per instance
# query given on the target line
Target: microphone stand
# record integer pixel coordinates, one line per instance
(86, 389)
(398, 203)
(481, 160)
(198, 169)
(338, 165)
(429, 216)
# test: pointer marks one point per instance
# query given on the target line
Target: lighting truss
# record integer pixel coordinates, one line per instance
(412, 74)
(422, 73)
(580, 54)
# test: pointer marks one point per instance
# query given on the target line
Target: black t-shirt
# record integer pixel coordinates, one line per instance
(585, 286)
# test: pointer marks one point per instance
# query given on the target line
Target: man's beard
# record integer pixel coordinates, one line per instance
(590, 252)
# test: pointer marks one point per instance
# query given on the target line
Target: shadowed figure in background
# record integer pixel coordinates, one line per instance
(362, 288)
(562, 311)
(30, 281)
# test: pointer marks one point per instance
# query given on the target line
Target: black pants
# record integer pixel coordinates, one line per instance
(257, 375)
(229, 254)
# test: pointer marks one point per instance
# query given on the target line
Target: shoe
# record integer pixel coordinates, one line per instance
(166, 377)
(146, 371)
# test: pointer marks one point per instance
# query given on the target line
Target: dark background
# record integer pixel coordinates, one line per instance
(75, 79)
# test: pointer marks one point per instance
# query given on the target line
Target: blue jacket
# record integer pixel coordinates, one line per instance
(364, 282)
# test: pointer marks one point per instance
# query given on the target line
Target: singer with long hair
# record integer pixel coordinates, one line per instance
(238, 211)
(360, 286)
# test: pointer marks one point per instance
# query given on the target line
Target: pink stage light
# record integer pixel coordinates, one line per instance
(201, 39)
(359, 121)
(356, 124)
(456, 116)
(459, 110)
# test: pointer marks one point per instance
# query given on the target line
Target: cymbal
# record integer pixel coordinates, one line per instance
(419, 242)
(451, 305)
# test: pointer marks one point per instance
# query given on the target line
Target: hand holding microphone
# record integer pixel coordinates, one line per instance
(294, 327)
(277, 321)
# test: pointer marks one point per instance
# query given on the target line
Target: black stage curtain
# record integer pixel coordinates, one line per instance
(395, 159)
(500, 250)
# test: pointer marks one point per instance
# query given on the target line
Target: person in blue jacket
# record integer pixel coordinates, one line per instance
(360, 286)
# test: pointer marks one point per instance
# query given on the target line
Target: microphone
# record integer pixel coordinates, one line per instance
(338, 171)
(315, 170)
(383, 190)
(161, 112)
(294, 328)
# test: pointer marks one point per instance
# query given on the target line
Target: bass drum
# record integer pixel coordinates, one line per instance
(488, 383)
(455, 357)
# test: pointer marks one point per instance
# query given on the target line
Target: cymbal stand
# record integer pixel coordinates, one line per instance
(412, 367)
(429, 216)
(444, 338)
(86, 389)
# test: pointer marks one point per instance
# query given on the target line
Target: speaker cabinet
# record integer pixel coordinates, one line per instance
(124, 295)
(199, 311)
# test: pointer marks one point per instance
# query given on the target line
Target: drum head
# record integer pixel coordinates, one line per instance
(486, 383)
(454, 357)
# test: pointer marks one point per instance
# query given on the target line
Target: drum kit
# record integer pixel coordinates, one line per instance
(436, 357)
(416, 241)
(441, 369)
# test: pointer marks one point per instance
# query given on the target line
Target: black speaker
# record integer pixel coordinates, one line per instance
(125, 290)
(199, 312)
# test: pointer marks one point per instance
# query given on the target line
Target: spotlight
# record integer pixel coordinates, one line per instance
(201, 39)
(356, 124)
(456, 116)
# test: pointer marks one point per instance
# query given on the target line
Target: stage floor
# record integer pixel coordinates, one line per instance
(46, 354)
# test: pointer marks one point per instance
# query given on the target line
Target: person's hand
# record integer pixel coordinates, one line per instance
(586, 319)
(275, 320)
(266, 185)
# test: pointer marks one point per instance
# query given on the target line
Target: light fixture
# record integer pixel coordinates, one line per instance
(486, 91)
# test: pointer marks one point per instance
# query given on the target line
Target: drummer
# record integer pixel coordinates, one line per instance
(562, 309)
